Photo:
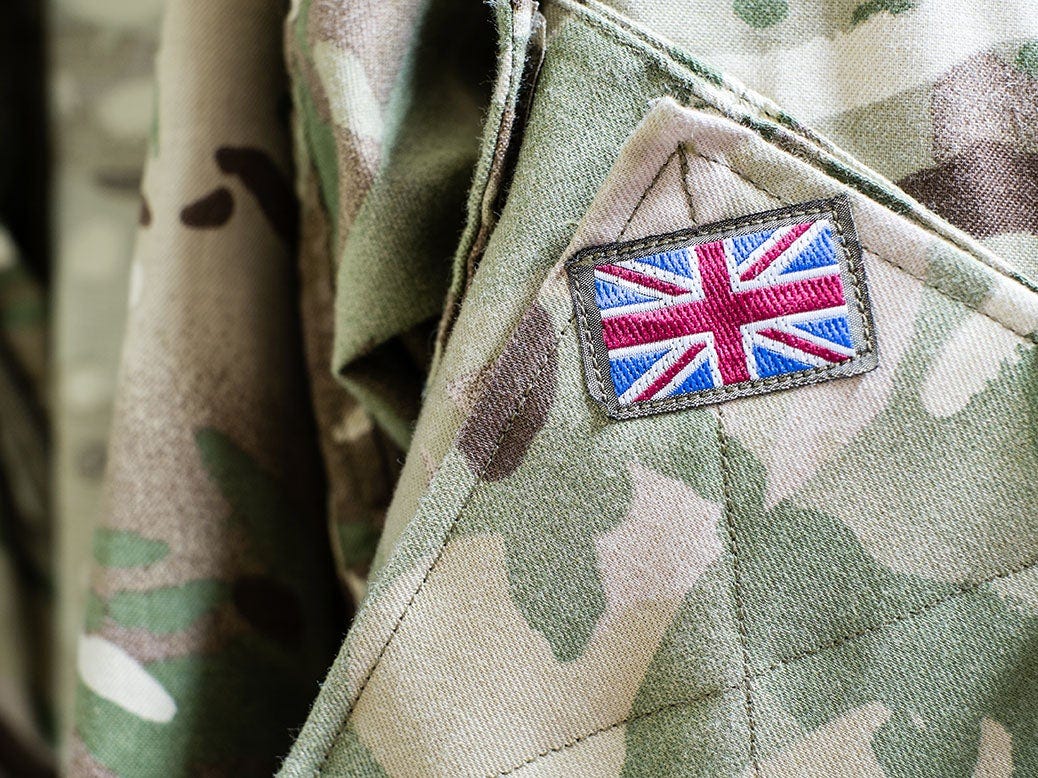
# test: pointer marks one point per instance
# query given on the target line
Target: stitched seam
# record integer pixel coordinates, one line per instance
(959, 591)
(924, 281)
(818, 149)
(645, 194)
(610, 727)
(740, 606)
(453, 522)
(852, 268)
(585, 333)
(683, 159)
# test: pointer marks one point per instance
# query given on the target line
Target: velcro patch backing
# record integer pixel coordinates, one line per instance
(746, 306)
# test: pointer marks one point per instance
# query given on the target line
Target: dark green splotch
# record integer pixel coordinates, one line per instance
(940, 673)
(549, 530)
(806, 578)
(829, 629)
(872, 7)
(949, 273)
(761, 14)
(123, 548)
(1027, 58)
(349, 756)
(689, 717)
(955, 490)
(246, 681)
(287, 542)
(256, 498)
(169, 609)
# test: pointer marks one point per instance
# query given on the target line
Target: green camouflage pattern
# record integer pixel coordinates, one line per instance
(831, 580)
(212, 607)
(836, 580)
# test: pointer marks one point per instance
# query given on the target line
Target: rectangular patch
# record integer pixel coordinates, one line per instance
(746, 306)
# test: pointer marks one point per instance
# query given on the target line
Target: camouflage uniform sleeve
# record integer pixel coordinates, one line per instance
(212, 607)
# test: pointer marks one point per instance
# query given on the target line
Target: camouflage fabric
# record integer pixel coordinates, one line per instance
(102, 102)
(26, 529)
(212, 608)
(835, 579)
(27, 580)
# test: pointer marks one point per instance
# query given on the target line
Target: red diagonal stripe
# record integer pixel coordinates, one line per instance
(775, 251)
(642, 279)
(668, 375)
(803, 345)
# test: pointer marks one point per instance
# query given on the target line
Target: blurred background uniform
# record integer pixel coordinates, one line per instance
(77, 89)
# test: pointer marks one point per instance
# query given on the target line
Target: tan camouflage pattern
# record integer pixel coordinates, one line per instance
(102, 107)
(212, 607)
(831, 580)
(824, 581)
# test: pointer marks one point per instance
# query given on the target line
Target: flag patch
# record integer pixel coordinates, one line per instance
(751, 305)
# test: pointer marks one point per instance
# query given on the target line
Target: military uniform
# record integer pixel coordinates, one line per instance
(708, 333)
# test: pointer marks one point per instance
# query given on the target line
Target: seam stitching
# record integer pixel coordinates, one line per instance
(725, 461)
(683, 160)
(450, 527)
(587, 338)
(960, 590)
(925, 282)
(514, 415)
(859, 294)
(645, 194)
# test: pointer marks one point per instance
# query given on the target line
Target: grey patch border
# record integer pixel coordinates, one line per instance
(581, 266)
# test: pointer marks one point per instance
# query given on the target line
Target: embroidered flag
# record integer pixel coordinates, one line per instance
(752, 305)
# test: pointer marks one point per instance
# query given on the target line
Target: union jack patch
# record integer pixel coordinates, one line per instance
(746, 306)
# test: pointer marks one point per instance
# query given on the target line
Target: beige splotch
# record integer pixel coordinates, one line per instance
(662, 548)
(840, 749)
(489, 692)
(995, 753)
(970, 358)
